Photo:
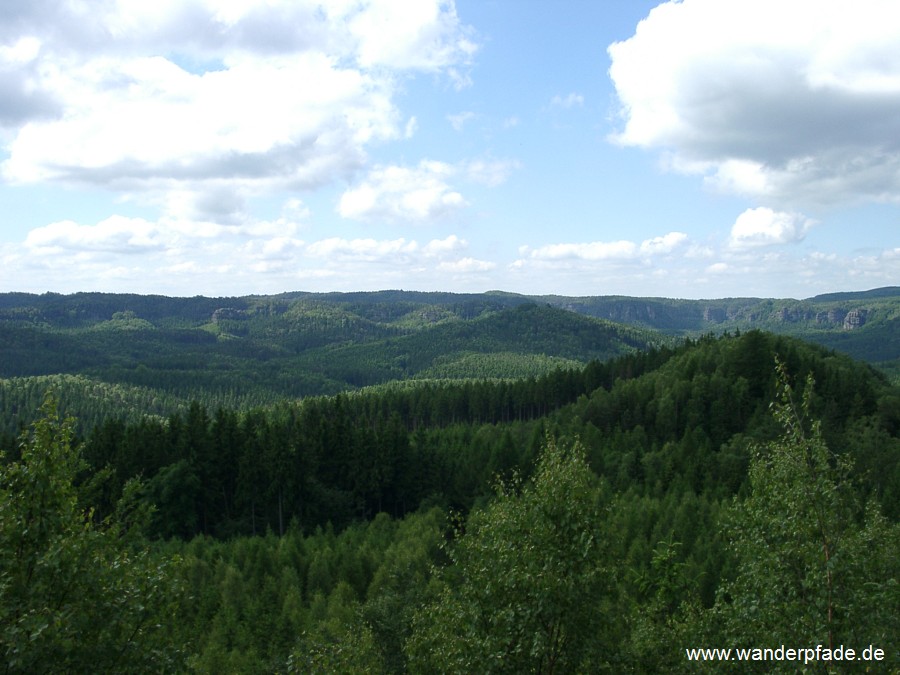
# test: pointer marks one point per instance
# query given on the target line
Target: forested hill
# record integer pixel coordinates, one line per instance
(649, 419)
(865, 325)
(146, 354)
(154, 354)
(689, 494)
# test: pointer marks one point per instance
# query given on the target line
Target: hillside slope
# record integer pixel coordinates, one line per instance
(862, 324)
(254, 350)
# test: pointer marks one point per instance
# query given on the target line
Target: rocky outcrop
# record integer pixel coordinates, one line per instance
(833, 317)
(855, 318)
(714, 314)
(794, 314)
(631, 312)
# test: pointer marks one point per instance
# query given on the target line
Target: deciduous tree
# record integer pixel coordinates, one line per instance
(76, 595)
(529, 590)
(814, 567)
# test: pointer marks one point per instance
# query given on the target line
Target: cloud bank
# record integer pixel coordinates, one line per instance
(244, 97)
(258, 145)
(791, 103)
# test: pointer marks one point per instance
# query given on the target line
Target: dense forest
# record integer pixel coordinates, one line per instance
(240, 352)
(601, 514)
(153, 354)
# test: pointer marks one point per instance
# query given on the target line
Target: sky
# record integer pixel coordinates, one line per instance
(692, 149)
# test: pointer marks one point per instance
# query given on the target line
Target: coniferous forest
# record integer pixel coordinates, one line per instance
(429, 483)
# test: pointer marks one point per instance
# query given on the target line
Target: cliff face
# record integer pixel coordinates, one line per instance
(855, 318)
(692, 316)
(832, 318)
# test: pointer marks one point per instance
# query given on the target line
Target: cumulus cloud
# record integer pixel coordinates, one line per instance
(337, 248)
(422, 35)
(466, 266)
(117, 234)
(764, 227)
(147, 123)
(75, 253)
(437, 248)
(20, 99)
(621, 250)
(664, 244)
(257, 95)
(420, 193)
(596, 250)
(794, 102)
(396, 193)
(267, 256)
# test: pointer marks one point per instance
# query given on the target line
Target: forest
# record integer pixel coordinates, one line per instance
(510, 488)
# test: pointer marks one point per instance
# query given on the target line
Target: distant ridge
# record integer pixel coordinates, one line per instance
(883, 292)
(333, 340)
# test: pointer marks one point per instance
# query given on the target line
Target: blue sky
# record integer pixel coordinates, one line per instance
(702, 148)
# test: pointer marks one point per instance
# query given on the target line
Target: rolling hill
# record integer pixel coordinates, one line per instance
(158, 352)
(256, 350)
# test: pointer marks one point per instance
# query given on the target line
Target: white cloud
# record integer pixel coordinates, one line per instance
(795, 102)
(21, 99)
(466, 266)
(186, 258)
(489, 172)
(699, 251)
(146, 123)
(764, 227)
(664, 244)
(421, 193)
(438, 248)
(257, 95)
(24, 50)
(422, 35)
(597, 250)
(412, 126)
(569, 101)
(337, 248)
(395, 193)
(458, 120)
(116, 234)
(621, 250)
(281, 247)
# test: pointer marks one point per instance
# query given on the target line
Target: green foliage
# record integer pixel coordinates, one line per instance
(304, 526)
(241, 352)
(341, 642)
(814, 567)
(93, 402)
(665, 613)
(495, 365)
(657, 422)
(75, 595)
(321, 602)
(529, 590)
